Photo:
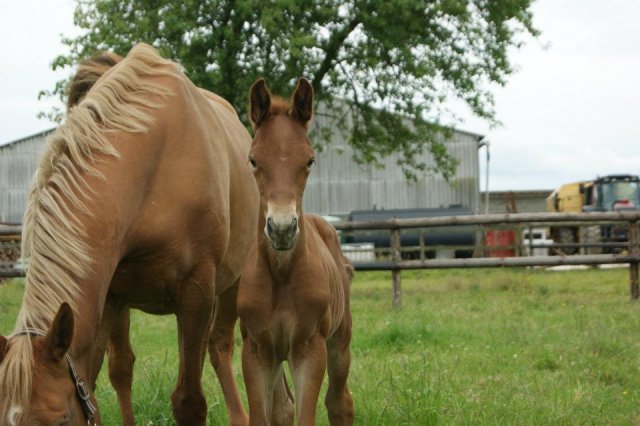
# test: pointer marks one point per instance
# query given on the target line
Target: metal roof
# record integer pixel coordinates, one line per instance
(42, 133)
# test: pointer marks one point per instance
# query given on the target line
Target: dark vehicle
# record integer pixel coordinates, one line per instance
(460, 239)
(613, 193)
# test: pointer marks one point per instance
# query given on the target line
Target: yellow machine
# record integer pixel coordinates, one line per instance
(607, 193)
(569, 198)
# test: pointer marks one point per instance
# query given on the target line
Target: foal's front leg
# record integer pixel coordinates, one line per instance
(309, 362)
(282, 407)
(194, 312)
(260, 374)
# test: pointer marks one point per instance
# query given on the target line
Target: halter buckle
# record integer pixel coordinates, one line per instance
(83, 390)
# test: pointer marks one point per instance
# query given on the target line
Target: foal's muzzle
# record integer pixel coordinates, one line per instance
(282, 233)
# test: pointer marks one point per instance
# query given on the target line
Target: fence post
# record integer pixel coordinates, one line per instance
(634, 249)
(395, 272)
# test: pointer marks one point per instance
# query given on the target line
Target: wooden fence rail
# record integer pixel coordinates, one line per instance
(530, 219)
(396, 264)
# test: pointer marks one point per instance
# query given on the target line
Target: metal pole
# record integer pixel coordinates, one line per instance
(634, 248)
(395, 273)
(486, 185)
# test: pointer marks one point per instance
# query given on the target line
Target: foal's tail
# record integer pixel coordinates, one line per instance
(89, 71)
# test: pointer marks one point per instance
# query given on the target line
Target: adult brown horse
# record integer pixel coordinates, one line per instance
(142, 199)
(293, 299)
(120, 354)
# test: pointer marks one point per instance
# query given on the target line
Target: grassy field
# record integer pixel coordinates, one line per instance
(479, 347)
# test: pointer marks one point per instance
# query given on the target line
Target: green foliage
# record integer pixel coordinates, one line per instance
(382, 66)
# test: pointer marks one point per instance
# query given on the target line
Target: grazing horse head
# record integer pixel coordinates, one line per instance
(281, 157)
(54, 401)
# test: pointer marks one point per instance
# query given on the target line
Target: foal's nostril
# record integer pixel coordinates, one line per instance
(293, 228)
(270, 229)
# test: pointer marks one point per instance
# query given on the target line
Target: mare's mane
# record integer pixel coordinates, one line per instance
(54, 240)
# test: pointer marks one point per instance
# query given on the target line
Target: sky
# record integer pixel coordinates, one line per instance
(570, 112)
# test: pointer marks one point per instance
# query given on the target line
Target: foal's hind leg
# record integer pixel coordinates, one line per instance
(221, 351)
(338, 400)
(121, 360)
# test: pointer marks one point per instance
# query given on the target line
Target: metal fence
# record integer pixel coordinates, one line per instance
(628, 252)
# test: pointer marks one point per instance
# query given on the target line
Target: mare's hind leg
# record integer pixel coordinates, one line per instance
(338, 400)
(121, 360)
(221, 351)
(194, 312)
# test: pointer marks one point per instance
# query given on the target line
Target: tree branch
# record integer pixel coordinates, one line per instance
(333, 47)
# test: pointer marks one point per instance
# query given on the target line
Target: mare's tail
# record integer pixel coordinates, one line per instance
(89, 71)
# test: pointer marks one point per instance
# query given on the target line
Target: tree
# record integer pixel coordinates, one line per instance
(384, 67)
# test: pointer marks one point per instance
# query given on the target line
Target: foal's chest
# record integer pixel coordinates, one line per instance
(284, 317)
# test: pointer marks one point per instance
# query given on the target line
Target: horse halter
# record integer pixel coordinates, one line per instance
(82, 389)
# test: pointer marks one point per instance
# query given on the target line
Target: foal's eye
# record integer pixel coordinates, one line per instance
(311, 162)
(253, 163)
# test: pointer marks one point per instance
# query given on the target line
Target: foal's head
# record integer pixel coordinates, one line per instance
(281, 157)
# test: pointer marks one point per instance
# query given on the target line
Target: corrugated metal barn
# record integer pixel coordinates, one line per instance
(337, 184)
(532, 201)
(18, 161)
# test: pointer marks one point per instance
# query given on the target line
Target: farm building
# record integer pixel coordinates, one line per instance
(18, 161)
(337, 185)
(515, 201)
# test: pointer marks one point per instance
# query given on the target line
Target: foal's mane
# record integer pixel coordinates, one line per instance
(279, 106)
(54, 240)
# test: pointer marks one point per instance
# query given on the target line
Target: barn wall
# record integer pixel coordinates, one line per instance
(18, 161)
(524, 201)
(337, 184)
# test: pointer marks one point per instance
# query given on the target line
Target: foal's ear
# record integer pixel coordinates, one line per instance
(59, 338)
(259, 102)
(302, 105)
(3, 347)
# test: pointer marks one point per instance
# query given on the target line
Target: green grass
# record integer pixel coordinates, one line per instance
(492, 346)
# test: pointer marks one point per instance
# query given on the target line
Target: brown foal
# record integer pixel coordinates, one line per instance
(293, 298)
